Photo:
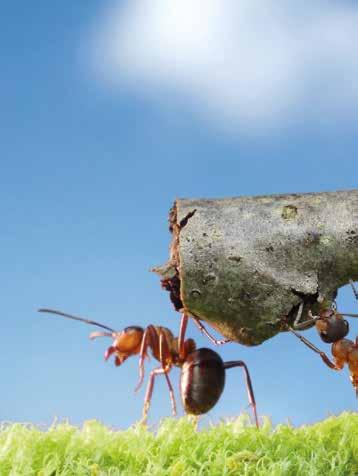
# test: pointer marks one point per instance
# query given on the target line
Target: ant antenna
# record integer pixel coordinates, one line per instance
(69, 316)
(348, 315)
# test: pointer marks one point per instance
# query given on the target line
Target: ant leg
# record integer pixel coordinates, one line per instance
(299, 315)
(164, 369)
(165, 356)
(149, 391)
(305, 324)
(309, 344)
(250, 390)
(171, 393)
(204, 331)
(355, 291)
(181, 338)
(149, 339)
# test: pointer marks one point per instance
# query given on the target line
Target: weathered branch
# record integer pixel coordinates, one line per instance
(244, 264)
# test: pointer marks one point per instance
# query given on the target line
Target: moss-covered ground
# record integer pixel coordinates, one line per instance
(176, 448)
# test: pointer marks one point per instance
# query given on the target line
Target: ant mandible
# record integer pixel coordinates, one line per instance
(202, 378)
(332, 329)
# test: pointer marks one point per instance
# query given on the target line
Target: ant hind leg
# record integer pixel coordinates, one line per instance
(249, 388)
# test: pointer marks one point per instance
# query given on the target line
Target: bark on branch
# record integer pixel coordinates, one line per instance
(244, 264)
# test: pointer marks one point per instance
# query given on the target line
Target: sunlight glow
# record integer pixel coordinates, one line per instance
(244, 64)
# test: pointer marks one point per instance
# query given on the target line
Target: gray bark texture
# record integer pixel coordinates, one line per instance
(245, 264)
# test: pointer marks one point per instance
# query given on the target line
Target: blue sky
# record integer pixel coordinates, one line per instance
(105, 120)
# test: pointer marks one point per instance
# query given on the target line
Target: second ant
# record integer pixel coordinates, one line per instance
(332, 328)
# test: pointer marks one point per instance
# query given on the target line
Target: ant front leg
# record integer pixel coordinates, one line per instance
(201, 327)
(249, 388)
(204, 331)
(309, 344)
(304, 324)
(181, 338)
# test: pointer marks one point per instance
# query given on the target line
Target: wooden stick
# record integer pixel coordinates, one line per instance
(244, 264)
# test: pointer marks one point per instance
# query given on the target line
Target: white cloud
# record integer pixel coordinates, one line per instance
(248, 65)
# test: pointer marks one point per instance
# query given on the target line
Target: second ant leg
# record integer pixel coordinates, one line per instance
(309, 344)
(305, 324)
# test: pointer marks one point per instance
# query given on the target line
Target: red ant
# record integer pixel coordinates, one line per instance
(332, 329)
(202, 377)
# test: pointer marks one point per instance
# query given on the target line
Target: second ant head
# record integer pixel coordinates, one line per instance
(331, 326)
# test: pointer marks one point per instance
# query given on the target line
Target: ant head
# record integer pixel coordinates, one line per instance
(125, 343)
(327, 313)
(331, 326)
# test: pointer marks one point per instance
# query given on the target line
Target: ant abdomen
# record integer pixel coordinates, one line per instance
(202, 381)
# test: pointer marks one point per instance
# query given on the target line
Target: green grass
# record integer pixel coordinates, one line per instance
(176, 448)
